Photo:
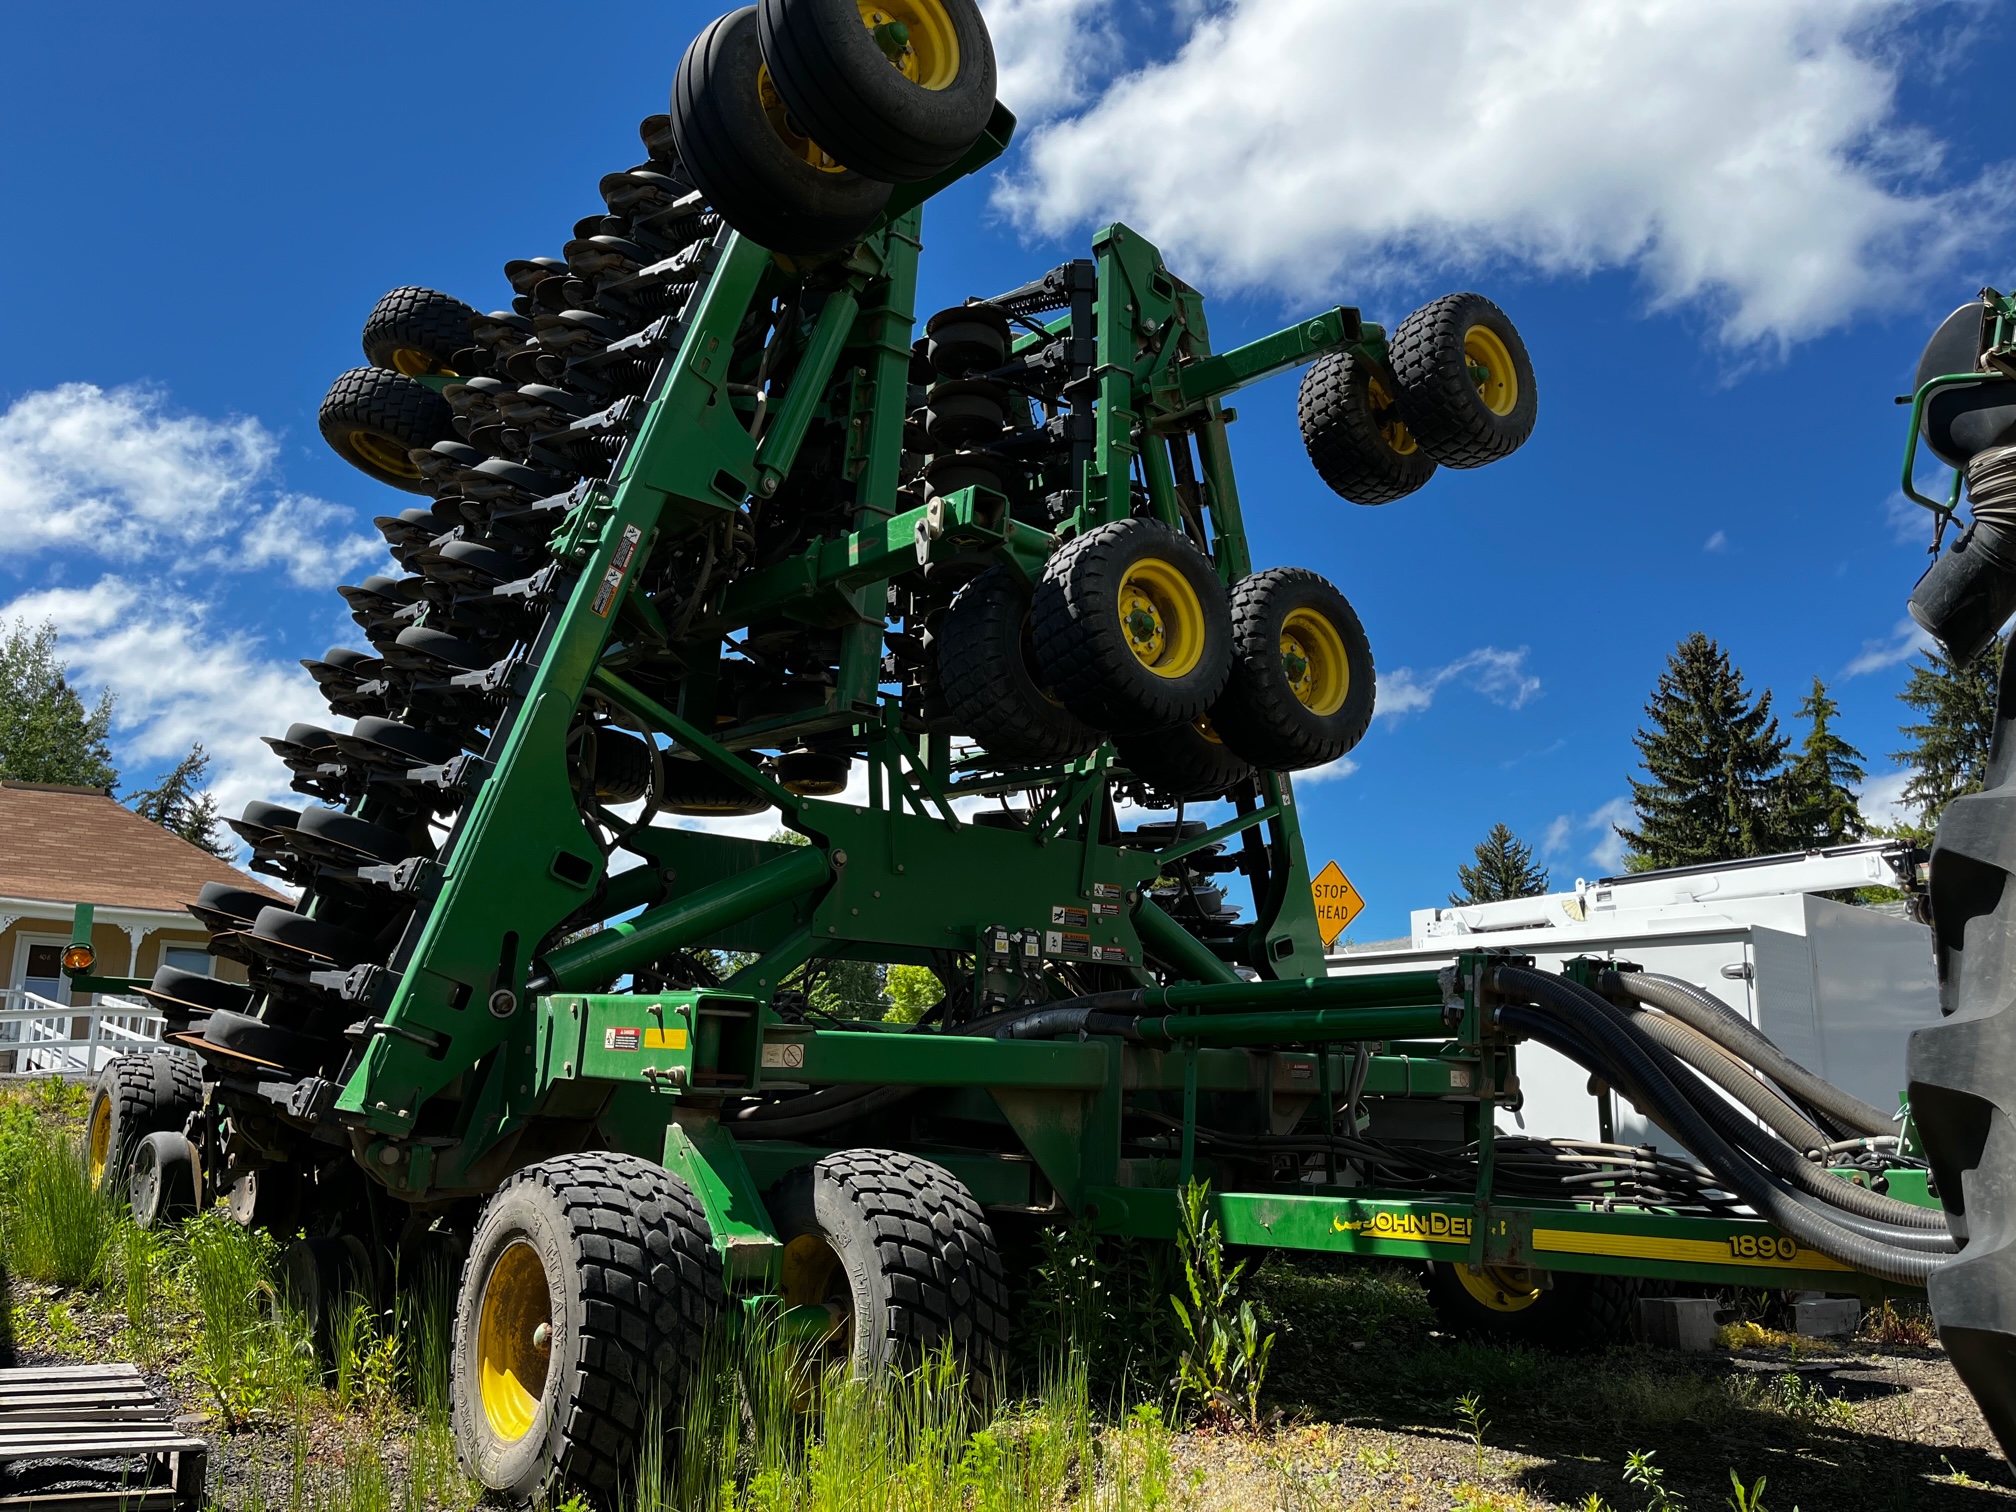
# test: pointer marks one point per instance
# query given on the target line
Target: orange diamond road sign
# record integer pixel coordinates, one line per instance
(1337, 902)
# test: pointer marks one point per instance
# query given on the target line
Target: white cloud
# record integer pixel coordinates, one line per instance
(1910, 524)
(1497, 674)
(1716, 542)
(1606, 846)
(1745, 155)
(1046, 52)
(1332, 771)
(179, 679)
(1882, 798)
(112, 473)
(1905, 641)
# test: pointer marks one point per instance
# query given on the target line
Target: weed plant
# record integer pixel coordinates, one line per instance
(59, 1225)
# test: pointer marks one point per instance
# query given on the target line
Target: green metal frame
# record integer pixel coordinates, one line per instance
(486, 1044)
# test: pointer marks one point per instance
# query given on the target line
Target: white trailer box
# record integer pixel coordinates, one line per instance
(1839, 987)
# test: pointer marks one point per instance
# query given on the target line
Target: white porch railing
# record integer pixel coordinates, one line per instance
(42, 1037)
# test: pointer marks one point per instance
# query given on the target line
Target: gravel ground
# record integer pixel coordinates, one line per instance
(1362, 1415)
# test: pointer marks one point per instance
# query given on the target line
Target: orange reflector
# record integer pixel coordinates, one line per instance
(78, 957)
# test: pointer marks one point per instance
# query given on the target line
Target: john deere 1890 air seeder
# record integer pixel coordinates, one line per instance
(713, 525)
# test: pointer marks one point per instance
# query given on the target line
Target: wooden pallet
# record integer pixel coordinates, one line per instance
(69, 1413)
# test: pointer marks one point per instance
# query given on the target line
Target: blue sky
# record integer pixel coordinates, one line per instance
(1724, 229)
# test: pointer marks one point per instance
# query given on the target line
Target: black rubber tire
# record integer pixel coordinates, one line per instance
(1441, 401)
(694, 788)
(319, 1275)
(633, 1285)
(859, 106)
(1082, 645)
(1186, 761)
(1342, 408)
(138, 1095)
(748, 172)
(1575, 1314)
(917, 1263)
(414, 330)
(1260, 715)
(161, 1186)
(373, 418)
(987, 672)
(814, 774)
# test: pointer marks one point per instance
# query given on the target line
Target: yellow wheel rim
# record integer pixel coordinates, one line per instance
(98, 1142)
(1386, 415)
(383, 453)
(1314, 661)
(1161, 618)
(1497, 1288)
(812, 1276)
(917, 37)
(1208, 730)
(514, 1340)
(415, 364)
(787, 128)
(1490, 364)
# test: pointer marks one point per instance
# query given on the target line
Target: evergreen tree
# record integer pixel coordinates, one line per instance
(46, 735)
(181, 807)
(1504, 869)
(1948, 753)
(1817, 803)
(1713, 757)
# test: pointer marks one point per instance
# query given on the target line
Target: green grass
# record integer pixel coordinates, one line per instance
(58, 1224)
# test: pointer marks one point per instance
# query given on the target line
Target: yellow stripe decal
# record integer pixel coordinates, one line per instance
(1767, 1248)
(664, 1039)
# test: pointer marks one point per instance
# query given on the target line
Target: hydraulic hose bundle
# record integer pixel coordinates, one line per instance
(1860, 1228)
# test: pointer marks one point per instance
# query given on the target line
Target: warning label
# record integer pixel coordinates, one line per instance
(619, 566)
(1068, 916)
(622, 1039)
(1337, 902)
(1108, 890)
(1063, 942)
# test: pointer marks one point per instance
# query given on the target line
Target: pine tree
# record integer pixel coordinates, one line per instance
(46, 735)
(1713, 757)
(181, 807)
(1504, 869)
(1948, 753)
(1817, 803)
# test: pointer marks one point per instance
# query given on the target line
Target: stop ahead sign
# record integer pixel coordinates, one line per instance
(1337, 902)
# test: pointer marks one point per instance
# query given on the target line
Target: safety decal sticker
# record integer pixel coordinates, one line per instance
(622, 1039)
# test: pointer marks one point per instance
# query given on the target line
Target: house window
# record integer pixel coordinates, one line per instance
(187, 958)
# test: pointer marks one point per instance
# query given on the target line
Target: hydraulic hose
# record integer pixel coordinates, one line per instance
(1646, 1083)
(1708, 1058)
(1736, 1034)
(1831, 1199)
(1771, 1152)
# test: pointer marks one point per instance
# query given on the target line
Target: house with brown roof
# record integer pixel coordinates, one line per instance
(61, 846)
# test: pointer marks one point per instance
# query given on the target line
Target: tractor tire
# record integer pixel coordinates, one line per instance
(137, 1095)
(1466, 383)
(1574, 1314)
(373, 418)
(161, 1188)
(1132, 629)
(987, 671)
(738, 144)
(900, 1253)
(1185, 762)
(1302, 684)
(1352, 430)
(898, 112)
(609, 1257)
(415, 331)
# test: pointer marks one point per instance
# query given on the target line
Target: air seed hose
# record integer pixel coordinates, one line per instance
(1737, 1035)
(1562, 1020)
(1728, 1073)
(1774, 1154)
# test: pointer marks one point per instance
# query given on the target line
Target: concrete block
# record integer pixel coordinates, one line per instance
(1827, 1317)
(1683, 1323)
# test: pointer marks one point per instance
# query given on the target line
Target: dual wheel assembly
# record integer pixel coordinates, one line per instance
(1130, 634)
(593, 1292)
